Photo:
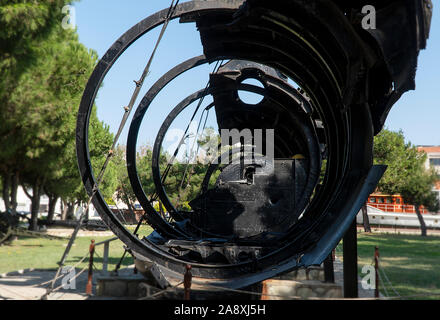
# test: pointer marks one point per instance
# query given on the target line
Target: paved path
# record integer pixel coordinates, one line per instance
(27, 285)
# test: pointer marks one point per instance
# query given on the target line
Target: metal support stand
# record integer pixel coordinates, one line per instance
(329, 272)
(89, 285)
(350, 262)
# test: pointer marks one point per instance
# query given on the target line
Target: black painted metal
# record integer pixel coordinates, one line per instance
(320, 47)
(329, 270)
(350, 262)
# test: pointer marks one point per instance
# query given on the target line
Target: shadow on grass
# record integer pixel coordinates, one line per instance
(409, 262)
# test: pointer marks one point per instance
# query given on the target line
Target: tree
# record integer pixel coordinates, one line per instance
(23, 25)
(38, 117)
(69, 187)
(42, 110)
(124, 191)
(390, 149)
(44, 71)
(418, 191)
(406, 174)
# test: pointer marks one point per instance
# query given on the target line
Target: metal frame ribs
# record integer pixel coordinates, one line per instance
(349, 79)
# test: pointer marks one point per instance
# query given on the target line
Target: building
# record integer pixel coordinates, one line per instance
(432, 161)
(24, 203)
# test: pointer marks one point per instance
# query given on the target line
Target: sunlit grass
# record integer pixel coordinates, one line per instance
(411, 263)
(39, 253)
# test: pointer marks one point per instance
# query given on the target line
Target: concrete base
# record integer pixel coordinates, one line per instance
(119, 286)
(138, 286)
(296, 290)
(311, 273)
(299, 284)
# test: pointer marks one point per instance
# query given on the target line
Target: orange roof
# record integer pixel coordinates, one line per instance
(429, 149)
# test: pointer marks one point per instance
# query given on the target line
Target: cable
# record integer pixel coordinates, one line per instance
(61, 276)
(386, 278)
(61, 286)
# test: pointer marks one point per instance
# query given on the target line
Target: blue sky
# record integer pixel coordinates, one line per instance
(101, 22)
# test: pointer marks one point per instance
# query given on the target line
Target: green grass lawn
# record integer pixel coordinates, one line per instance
(411, 263)
(39, 253)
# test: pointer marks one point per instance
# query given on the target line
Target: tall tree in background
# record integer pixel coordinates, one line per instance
(23, 25)
(44, 105)
(182, 184)
(418, 191)
(406, 174)
(44, 71)
(67, 186)
(124, 191)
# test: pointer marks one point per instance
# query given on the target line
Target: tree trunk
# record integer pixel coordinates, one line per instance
(87, 215)
(365, 219)
(35, 207)
(161, 211)
(14, 189)
(64, 210)
(130, 208)
(52, 203)
(6, 191)
(133, 219)
(422, 221)
(70, 214)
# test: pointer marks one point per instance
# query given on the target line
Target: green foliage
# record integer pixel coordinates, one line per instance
(390, 149)
(185, 206)
(406, 173)
(179, 193)
(44, 72)
(23, 25)
(40, 114)
(418, 190)
(124, 192)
